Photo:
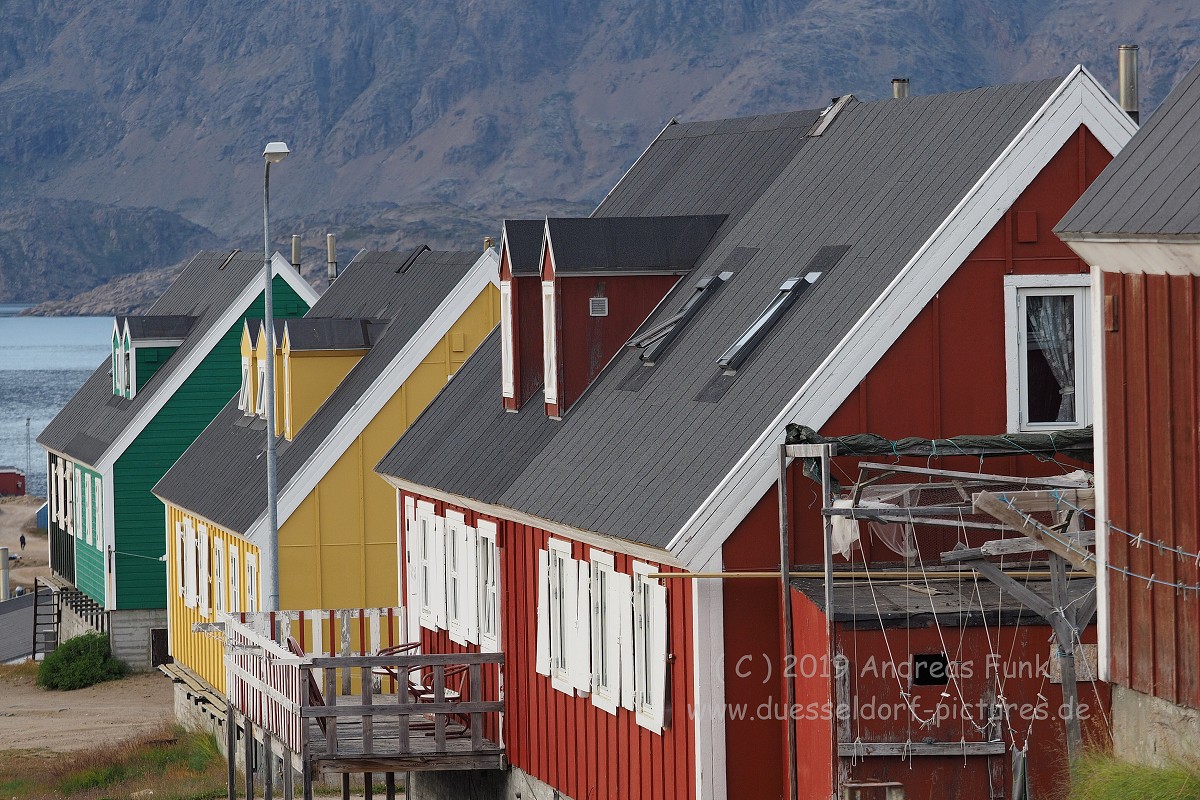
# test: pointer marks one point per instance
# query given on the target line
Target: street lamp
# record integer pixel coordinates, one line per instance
(273, 153)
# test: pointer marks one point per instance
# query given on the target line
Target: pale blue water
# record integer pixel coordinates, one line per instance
(43, 362)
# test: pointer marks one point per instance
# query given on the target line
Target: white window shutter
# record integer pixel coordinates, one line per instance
(581, 642)
(507, 373)
(99, 514)
(543, 613)
(189, 566)
(180, 559)
(411, 565)
(202, 589)
(617, 601)
(469, 575)
(438, 571)
(658, 655)
(623, 607)
(549, 345)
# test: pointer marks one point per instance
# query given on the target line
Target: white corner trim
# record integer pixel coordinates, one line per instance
(708, 683)
(108, 533)
(1100, 441)
(235, 310)
(1079, 100)
(482, 273)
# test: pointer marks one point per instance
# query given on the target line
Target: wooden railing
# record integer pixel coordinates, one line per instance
(423, 718)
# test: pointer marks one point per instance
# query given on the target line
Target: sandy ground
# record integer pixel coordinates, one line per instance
(17, 516)
(32, 718)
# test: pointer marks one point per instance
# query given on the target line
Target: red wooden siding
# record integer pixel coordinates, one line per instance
(587, 343)
(880, 714)
(949, 368)
(1152, 414)
(12, 482)
(564, 740)
(814, 742)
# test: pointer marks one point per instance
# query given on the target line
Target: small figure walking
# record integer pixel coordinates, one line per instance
(22, 541)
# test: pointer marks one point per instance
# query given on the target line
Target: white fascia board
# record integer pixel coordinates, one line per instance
(1078, 100)
(237, 309)
(1100, 442)
(1143, 256)
(590, 538)
(483, 272)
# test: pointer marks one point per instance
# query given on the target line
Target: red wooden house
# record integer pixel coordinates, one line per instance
(855, 268)
(1139, 224)
(12, 481)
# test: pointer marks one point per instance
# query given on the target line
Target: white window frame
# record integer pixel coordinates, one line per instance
(457, 577)
(117, 362)
(549, 343)
(1016, 289)
(180, 560)
(129, 373)
(489, 587)
(235, 580)
(411, 599)
(73, 487)
(88, 525)
(563, 576)
(650, 636)
(507, 371)
(252, 578)
(98, 512)
(189, 564)
(218, 575)
(260, 402)
(244, 390)
(431, 567)
(606, 633)
(203, 587)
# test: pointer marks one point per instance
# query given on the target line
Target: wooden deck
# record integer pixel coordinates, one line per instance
(386, 754)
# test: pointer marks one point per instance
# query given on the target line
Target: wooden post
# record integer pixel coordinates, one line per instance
(1064, 631)
(331, 746)
(389, 783)
(289, 787)
(476, 672)
(439, 719)
(403, 695)
(789, 642)
(231, 749)
(269, 766)
(248, 742)
(345, 786)
(368, 786)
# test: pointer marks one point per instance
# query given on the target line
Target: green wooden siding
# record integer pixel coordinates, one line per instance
(140, 516)
(89, 559)
(149, 359)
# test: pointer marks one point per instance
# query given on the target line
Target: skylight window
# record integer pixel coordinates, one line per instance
(791, 289)
(655, 341)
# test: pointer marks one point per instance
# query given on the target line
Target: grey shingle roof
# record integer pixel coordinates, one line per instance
(331, 334)
(222, 475)
(165, 326)
(637, 463)
(204, 290)
(630, 244)
(1152, 187)
(524, 237)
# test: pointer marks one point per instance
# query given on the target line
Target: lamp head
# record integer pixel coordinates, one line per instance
(275, 152)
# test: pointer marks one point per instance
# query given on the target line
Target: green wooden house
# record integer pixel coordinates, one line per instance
(171, 370)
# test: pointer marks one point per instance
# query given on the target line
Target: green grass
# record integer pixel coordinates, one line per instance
(1100, 777)
(175, 764)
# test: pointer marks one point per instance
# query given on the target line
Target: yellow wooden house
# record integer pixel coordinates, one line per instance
(350, 377)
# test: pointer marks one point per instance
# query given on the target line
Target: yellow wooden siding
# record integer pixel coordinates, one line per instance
(200, 652)
(310, 378)
(338, 548)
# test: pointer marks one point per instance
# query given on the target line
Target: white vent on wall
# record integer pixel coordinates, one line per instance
(598, 306)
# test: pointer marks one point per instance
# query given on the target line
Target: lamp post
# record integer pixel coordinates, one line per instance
(272, 154)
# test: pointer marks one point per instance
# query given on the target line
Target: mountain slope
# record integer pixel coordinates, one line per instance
(479, 109)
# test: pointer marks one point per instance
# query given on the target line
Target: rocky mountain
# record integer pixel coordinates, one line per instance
(431, 120)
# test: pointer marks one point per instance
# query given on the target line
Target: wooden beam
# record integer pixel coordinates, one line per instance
(988, 503)
(404, 709)
(411, 661)
(1021, 544)
(409, 763)
(1033, 500)
(904, 749)
(1027, 596)
(1059, 483)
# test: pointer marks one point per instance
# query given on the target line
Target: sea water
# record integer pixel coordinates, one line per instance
(43, 362)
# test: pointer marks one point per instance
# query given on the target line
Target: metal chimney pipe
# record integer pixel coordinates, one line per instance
(296, 251)
(1127, 78)
(899, 87)
(331, 256)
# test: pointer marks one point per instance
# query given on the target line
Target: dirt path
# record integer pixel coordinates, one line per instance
(17, 516)
(32, 718)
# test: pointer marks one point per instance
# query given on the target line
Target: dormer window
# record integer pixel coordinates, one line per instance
(244, 397)
(260, 405)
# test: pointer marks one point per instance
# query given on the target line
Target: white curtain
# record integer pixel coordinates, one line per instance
(1052, 330)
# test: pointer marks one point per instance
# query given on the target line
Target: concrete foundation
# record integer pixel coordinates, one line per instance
(128, 633)
(1147, 730)
(511, 784)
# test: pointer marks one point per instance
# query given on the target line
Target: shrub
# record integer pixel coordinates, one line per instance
(79, 662)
